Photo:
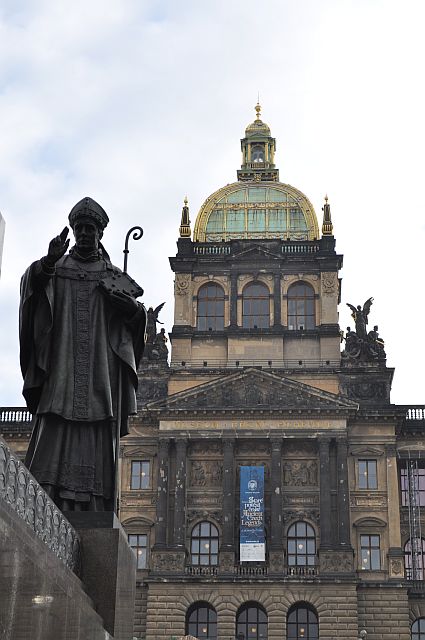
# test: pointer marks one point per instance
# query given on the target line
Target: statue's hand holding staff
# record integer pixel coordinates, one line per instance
(57, 247)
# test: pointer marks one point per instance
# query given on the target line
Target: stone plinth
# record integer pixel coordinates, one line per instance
(41, 598)
(108, 569)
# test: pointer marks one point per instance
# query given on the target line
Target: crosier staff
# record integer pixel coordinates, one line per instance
(137, 234)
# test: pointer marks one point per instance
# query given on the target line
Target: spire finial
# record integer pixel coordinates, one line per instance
(185, 231)
(258, 107)
(327, 226)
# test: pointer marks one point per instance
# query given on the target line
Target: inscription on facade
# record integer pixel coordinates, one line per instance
(236, 425)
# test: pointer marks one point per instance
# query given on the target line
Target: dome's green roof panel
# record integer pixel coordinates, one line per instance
(248, 210)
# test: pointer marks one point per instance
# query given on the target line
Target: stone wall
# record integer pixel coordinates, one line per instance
(336, 606)
(384, 612)
(140, 610)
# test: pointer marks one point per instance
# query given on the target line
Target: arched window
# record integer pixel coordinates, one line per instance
(210, 307)
(418, 629)
(302, 623)
(204, 544)
(255, 306)
(257, 153)
(414, 559)
(301, 545)
(201, 621)
(251, 622)
(301, 314)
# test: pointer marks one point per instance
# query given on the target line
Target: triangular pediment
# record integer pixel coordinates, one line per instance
(254, 390)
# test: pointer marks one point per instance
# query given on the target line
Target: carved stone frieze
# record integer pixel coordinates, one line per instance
(226, 561)
(205, 499)
(292, 499)
(206, 473)
(205, 448)
(396, 568)
(368, 501)
(298, 450)
(182, 284)
(150, 390)
(366, 389)
(276, 562)
(165, 561)
(335, 561)
(256, 447)
(195, 514)
(329, 283)
(22, 493)
(302, 514)
(300, 473)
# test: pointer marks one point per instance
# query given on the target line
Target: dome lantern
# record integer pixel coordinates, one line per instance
(258, 149)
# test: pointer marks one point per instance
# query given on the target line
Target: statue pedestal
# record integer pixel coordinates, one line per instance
(108, 569)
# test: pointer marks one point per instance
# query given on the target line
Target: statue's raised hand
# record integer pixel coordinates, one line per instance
(57, 247)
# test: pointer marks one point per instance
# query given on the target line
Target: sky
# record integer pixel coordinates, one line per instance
(138, 103)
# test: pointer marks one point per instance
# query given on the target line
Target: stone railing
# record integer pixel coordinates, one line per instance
(201, 571)
(224, 363)
(249, 571)
(209, 249)
(22, 493)
(14, 414)
(302, 571)
(225, 248)
(300, 247)
(15, 420)
(415, 413)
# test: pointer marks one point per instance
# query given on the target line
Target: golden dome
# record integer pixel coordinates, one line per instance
(256, 210)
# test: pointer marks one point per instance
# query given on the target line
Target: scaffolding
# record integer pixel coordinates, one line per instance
(414, 513)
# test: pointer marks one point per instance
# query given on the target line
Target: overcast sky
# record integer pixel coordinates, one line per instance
(139, 103)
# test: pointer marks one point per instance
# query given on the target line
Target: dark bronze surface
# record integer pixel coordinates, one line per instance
(81, 344)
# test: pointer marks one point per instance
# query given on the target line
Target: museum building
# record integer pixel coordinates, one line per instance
(269, 488)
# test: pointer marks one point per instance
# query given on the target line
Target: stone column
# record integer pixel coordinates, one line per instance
(228, 494)
(277, 301)
(276, 564)
(233, 299)
(276, 534)
(395, 552)
(325, 494)
(342, 493)
(180, 494)
(162, 489)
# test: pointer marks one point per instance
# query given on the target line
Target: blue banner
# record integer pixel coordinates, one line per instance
(252, 540)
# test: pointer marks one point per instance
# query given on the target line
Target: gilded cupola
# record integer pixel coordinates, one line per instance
(257, 206)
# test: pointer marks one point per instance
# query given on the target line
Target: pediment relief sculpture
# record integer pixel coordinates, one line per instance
(254, 389)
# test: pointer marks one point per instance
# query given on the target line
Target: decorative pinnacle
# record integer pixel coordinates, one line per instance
(327, 226)
(185, 231)
(258, 108)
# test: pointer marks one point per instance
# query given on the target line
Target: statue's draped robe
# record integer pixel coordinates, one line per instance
(73, 343)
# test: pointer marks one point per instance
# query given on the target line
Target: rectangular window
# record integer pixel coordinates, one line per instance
(140, 474)
(370, 553)
(368, 477)
(417, 484)
(139, 544)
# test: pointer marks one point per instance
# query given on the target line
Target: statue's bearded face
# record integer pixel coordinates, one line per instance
(87, 235)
